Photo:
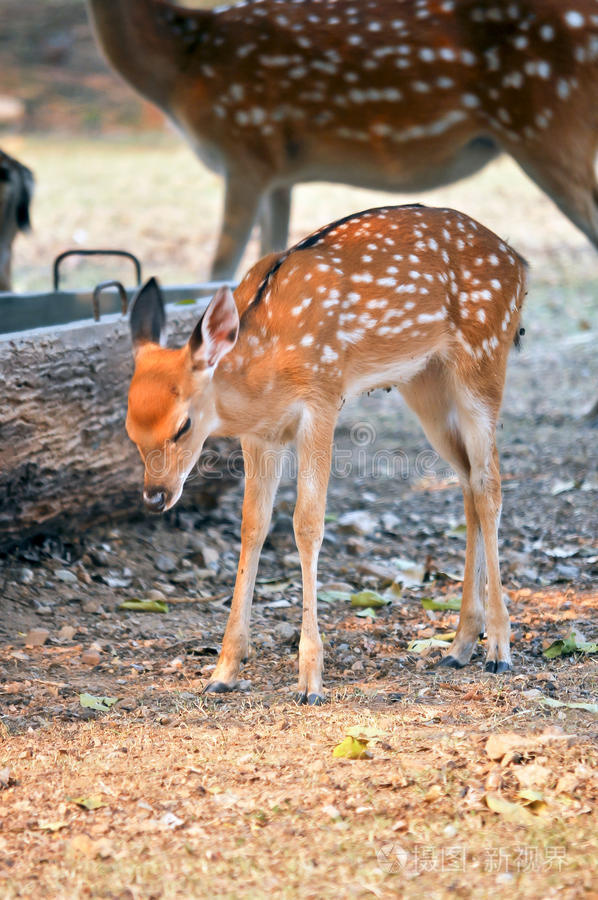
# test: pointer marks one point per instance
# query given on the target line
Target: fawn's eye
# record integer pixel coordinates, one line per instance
(184, 427)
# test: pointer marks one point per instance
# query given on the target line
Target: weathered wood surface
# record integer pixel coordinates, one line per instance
(65, 457)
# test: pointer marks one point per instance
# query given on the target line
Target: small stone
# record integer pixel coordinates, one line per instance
(91, 606)
(155, 594)
(358, 521)
(356, 546)
(338, 586)
(390, 522)
(66, 576)
(90, 657)
(25, 575)
(287, 632)
(99, 557)
(357, 666)
(66, 633)
(332, 812)
(36, 637)
(165, 562)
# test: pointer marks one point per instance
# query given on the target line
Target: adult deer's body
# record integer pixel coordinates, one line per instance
(422, 298)
(16, 191)
(389, 94)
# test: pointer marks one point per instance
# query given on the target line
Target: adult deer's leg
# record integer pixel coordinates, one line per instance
(242, 197)
(430, 395)
(262, 474)
(314, 456)
(275, 213)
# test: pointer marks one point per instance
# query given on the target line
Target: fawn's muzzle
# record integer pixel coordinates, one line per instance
(155, 500)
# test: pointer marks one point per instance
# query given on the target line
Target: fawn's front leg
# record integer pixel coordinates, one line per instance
(314, 452)
(262, 474)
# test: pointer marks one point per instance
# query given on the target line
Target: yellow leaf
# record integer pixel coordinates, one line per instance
(513, 812)
(351, 748)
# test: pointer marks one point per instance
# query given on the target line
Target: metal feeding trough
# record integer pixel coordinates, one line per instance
(21, 312)
(65, 365)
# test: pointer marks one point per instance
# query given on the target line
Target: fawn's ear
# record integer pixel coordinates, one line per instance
(147, 318)
(217, 331)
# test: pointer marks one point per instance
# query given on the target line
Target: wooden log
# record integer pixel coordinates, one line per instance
(65, 457)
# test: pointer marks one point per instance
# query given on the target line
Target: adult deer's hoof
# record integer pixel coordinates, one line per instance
(497, 666)
(451, 662)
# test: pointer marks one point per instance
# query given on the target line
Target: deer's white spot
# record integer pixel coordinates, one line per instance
(495, 283)
(328, 354)
(574, 19)
(366, 258)
(481, 315)
(365, 277)
(547, 32)
(307, 340)
(470, 100)
(425, 318)
(427, 54)
(493, 259)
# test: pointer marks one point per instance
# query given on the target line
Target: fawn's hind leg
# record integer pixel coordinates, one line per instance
(430, 395)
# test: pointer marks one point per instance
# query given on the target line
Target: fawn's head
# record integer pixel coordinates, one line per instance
(171, 404)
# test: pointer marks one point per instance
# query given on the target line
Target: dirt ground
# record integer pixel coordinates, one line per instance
(475, 784)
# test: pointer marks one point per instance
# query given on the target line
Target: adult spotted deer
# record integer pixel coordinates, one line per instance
(388, 94)
(425, 299)
(16, 191)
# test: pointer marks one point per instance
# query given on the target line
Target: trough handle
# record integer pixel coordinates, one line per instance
(102, 287)
(124, 253)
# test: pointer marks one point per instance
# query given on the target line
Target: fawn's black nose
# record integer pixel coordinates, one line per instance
(155, 499)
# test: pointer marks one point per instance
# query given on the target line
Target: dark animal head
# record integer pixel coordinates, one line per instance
(16, 193)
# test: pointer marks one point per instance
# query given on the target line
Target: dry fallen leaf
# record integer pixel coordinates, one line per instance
(498, 745)
(532, 775)
(513, 812)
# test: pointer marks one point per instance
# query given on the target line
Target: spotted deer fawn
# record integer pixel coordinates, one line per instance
(425, 299)
(388, 94)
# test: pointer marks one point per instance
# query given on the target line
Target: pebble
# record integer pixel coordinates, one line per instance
(165, 562)
(287, 632)
(358, 522)
(90, 657)
(36, 637)
(66, 576)
(25, 575)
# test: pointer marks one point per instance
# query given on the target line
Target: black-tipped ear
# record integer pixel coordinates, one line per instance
(217, 331)
(147, 318)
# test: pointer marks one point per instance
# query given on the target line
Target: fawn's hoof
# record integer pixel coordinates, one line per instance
(309, 699)
(497, 666)
(451, 662)
(218, 687)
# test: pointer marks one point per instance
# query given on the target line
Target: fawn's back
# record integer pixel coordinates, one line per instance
(367, 301)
